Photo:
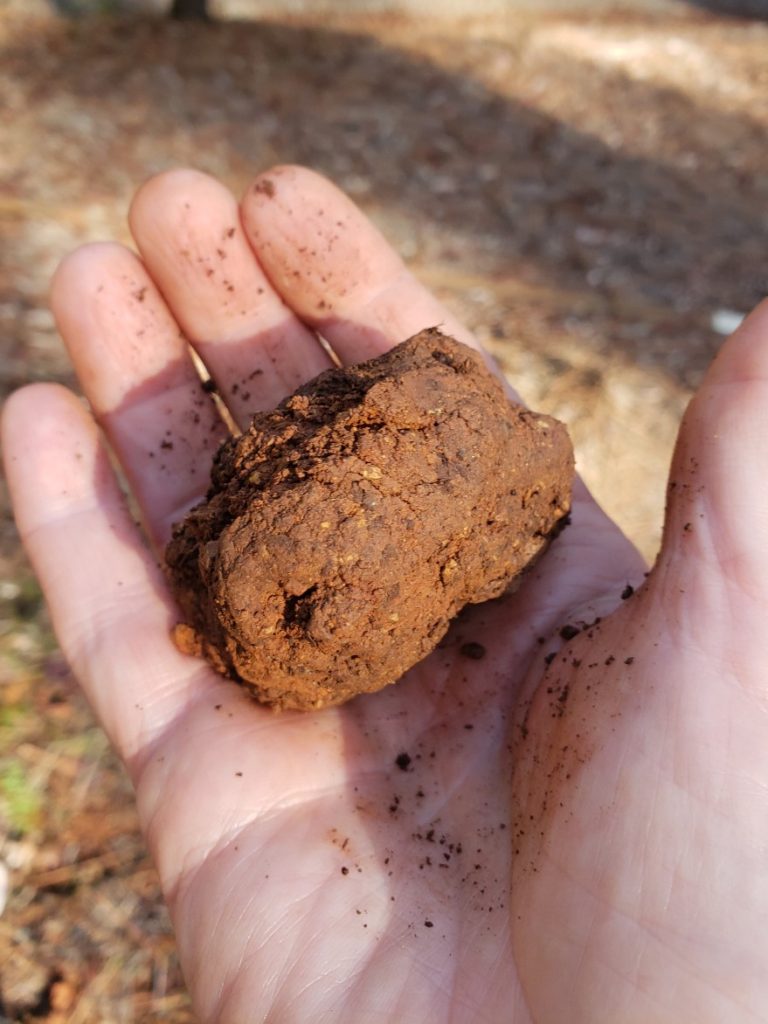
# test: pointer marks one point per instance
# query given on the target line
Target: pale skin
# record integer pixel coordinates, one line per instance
(604, 843)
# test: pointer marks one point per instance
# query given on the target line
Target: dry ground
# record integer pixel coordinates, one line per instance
(585, 192)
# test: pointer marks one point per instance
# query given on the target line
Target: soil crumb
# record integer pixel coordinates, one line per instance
(266, 187)
(344, 530)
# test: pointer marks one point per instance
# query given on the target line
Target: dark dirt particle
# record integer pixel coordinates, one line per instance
(627, 592)
(610, 659)
(688, 527)
(472, 650)
(166, 444)
(345, 870)
(429, 924)
(628, 661)
(549, 658)
(403, 761)
(209, 386)
(265, 187)
(568, 632)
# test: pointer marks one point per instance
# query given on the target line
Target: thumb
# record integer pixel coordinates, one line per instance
(714, 554)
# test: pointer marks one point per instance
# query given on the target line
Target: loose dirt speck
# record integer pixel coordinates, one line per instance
(265, 187)
(472, 650)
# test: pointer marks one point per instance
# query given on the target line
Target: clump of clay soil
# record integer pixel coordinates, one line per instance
(343, 531)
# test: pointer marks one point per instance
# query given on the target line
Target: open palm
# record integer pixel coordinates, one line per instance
(561, 815)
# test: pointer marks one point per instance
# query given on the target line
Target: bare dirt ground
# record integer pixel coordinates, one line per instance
(586, 192)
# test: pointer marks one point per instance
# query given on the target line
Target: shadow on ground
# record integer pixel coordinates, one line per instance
(735, 8)
(664, 207)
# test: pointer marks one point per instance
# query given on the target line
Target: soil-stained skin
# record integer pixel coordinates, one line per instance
(344, 530)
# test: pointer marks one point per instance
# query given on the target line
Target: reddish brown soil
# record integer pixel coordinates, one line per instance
(345, 530)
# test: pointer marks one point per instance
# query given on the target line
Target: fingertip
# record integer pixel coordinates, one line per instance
(83, 272)
(113, 321)
(716, 522)
(175, 181)
(320, 251)
(282, 180)
(744, 355)
(51, 452)
(13, 408)
(28, 412)
(173, 195)
(89, 280)
(289, 194)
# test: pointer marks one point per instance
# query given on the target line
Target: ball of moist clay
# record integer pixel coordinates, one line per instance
(344, 530)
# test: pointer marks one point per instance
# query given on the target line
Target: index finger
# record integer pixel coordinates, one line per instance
(335, 269)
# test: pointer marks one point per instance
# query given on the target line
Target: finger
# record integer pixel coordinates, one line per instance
(187, 227)
(334, 268)
(136, 370)
(107, 599)
(717, 517)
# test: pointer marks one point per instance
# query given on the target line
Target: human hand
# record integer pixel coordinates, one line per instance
(577, 838)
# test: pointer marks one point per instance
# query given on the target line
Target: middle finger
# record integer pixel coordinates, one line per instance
(187, 227)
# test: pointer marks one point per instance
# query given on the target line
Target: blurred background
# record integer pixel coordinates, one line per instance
(584, 183)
